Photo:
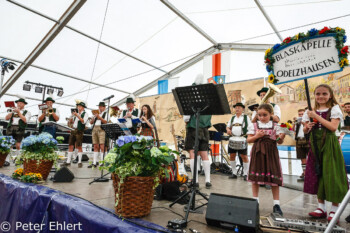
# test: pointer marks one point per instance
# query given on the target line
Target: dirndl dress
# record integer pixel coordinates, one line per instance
(331, 185)
(146, 130)
(265, 165)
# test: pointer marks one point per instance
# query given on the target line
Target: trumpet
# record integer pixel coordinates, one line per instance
(49, 112)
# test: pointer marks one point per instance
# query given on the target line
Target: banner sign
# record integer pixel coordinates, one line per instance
(307, 55)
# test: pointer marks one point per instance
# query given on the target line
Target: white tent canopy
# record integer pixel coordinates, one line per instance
(143, 41)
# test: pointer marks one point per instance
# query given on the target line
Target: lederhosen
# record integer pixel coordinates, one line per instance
(135, 113)
(302, 144)
(99, 129)
(265, 165)
(244, 131)
(16, 131)
(78, 133)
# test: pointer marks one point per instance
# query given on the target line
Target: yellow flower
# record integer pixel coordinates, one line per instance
(267, 51)
(297, 36)
(344, 62)
(271, 78)
(338, 28)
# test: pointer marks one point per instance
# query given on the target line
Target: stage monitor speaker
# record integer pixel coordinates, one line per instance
(84, 158)
(63, 175)
(230, 212)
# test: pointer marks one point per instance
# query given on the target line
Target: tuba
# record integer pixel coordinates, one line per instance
(271, 92)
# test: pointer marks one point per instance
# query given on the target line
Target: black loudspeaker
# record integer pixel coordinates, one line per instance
(84, 157)
(231, 212)
(63, 175)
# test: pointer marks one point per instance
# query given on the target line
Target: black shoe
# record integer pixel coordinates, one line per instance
(347, 219)
(75, 160)
(6, 164)
(196, 185)
(245, 177)
(233, 176)
(92, 165)
(277, 210)
(208, 185)
(268, 187)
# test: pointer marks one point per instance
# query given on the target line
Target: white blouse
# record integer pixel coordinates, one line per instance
(267, 125)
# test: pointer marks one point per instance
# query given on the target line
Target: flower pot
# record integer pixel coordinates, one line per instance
(135, 196)
(43, 167)
(3, 158)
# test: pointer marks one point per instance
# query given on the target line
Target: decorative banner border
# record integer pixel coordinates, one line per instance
(337, 33)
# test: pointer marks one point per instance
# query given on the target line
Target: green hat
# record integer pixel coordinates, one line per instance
(21, 100)
(82, 104)
(103, 104)
(239, 104)
(50, 99)
(264, 89)
(130, 100)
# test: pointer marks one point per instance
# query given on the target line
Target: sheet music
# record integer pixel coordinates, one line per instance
(58, 126)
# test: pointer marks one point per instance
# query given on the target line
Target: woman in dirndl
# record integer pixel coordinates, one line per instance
(147, 121)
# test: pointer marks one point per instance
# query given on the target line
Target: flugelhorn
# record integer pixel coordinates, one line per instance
(271, 92)
(114, 111)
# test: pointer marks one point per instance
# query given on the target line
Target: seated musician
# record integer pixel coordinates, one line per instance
(238, 126)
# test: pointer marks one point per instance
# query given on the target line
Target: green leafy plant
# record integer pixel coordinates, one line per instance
(6, 142)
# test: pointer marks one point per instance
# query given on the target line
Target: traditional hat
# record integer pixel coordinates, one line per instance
(130, 99)
(264, 89)
(50, 99)
(21, 100)
(82, 104)
(239, 104)
(251, 107)
(103, 104)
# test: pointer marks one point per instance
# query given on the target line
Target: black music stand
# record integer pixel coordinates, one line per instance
(206, 99)
(113, 131)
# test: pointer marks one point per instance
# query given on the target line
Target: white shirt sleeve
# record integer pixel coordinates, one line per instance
(186, 118)
(229, 123)
(277, 111)
(251, 129)
(28, 116)
(86, 116)
(57, 112)
(250, 124)
(305, 117)
(254, 114)
(336, 113)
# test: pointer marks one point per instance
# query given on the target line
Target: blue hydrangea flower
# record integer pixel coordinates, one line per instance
(313, 32)
(120, 141)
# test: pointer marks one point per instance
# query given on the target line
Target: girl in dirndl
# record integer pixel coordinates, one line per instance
(147, 121)
(325, 173)
(265, 165)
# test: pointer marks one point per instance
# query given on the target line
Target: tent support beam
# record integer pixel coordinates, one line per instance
(188, 21)
(86, 35)
(173, 72)
(244, 47)
(68, 76)
(268, 19)
(50, 36)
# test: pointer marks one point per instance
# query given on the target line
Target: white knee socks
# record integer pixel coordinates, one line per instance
(95, 158)
(206, 167)
(80, 156)
(69, 157)
(245, 168)
(233, 165)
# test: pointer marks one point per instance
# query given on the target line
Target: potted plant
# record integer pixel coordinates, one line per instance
(28, 178)
(38, 154)
(135, 166)
(6, 142)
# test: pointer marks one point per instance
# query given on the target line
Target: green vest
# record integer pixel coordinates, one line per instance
(81, 126)
(21, 123)
(204, 121)
(50, 119)
(245, 128)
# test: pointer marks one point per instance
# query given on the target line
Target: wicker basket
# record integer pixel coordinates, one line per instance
(44, 167)
(135, 196)
(2, 158)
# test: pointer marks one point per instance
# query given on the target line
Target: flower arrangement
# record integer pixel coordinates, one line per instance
(38, 147)
(286, 128)
(60, 139)
(6, 142)
(302, 37)
(28, 178)
(136, 156)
